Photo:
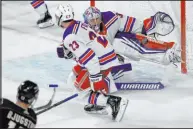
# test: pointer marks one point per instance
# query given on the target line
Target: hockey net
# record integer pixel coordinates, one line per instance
(180, 11)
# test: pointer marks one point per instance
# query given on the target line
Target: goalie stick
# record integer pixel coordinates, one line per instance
(50, 102)
(139, 86)
(63, 101)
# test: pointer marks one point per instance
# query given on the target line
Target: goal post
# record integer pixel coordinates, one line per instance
(92, 3)
(183, 36)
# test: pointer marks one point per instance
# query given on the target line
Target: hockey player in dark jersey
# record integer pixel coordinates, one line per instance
(20, 114)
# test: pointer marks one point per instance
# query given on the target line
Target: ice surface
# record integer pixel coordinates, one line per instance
(30, 53)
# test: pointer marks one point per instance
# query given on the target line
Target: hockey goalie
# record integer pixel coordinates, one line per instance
(135, 38)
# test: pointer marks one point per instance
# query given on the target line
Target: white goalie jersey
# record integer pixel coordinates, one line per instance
(161, 23)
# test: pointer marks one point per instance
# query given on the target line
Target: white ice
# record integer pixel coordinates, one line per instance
(30, 53)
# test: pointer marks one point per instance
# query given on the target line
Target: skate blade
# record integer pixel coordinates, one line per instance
(46, 24)
(104, 112)
(123, 107)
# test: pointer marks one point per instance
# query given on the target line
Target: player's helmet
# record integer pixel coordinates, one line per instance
(27, 92)
(92, 16)
(64, 13)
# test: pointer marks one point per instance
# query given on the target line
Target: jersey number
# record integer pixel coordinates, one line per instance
(74, 45)
(100, 39)
(12, 124)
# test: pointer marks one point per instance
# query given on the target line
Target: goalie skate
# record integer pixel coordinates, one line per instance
(122, 109)
(118, 106)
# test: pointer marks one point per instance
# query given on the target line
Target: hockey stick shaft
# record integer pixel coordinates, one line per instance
(63, 101)
(58, 103)
(48, 104)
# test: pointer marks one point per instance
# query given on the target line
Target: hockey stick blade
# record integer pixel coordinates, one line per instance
(48, 104)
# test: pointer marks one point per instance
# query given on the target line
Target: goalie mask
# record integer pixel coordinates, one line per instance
(92, 16)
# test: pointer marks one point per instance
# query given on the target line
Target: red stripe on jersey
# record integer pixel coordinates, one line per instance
(75, 28)
(37, 3)
(129, 22)
(86, 57)
(147, 23)
(92, 98)
(109, 57)
(111, 21)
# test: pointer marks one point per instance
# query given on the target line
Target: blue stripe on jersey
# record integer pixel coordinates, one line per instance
(34, 1)
(37, 3)
(84, 53)
(107, 80)
(107, 54)
(132, 24)
(86, 56)
(107, 61)
(96, 75)
(106, 16)
(96, 97)
(112, 22)
(107, 58)
(126, 23)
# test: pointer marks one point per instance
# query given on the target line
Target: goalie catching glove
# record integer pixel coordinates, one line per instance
(159, 24)
(63, 52)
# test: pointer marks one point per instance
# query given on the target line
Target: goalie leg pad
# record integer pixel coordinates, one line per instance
(77, 69)
(82, 81)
